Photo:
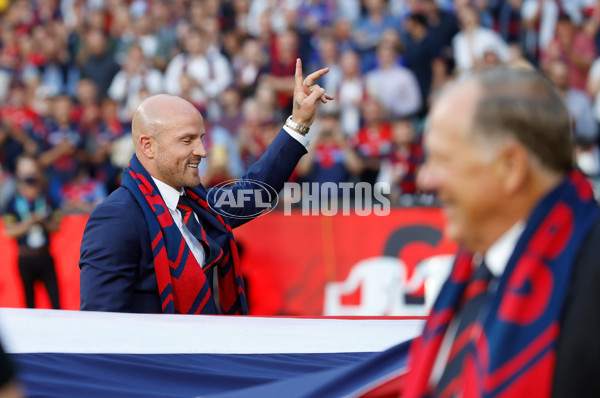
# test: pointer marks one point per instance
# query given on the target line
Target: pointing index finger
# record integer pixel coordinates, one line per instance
(310, 79)
(298, 73)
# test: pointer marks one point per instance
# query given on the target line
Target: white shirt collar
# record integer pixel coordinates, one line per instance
(499, 253)
(169, 194)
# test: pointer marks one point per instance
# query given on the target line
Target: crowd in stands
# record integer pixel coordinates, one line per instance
(72, 73)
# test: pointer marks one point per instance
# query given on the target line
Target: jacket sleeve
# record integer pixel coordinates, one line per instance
(578, 347)
(109, 262)
(273, 169)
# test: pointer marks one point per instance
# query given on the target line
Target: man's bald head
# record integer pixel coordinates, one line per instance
(159, 113)
(167, 135)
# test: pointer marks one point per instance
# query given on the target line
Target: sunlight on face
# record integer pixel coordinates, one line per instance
(180, 150)
(459, 170)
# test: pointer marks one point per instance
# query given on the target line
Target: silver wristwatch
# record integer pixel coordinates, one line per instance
(302, 129)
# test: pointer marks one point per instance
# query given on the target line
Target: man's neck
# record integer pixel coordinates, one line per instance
(521, 205)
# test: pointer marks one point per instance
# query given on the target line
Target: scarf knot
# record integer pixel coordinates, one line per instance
(183, 286)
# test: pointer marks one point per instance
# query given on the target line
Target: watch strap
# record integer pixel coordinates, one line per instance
(302, 129)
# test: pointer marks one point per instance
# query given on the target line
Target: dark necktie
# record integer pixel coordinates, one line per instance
(187, 213)
(475, 296)
(192, 224)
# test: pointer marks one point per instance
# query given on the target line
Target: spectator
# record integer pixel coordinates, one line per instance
(442, 25)
(342, 30)
(52, 73)
(473, 40)
(399, 168)
(574, 47)
(239, 46)
(369, 29)
(250, 66)
(313, 15)
(228, 164)
(539, 20)
(331, 159)
(350, 94)
(507, 19)
(30, 218)
(279, 19)
(490, 59)
(24, 127)
(266, 98)
(99, 145)
(328, 57)
(9, 60)
(135, 81)
(517, 58)
(62, 148)
(393, 85)
(420, 52)
(282, 64)
(154, 47)
(374, 140)
(232, 117)
(100, 66)
(593, 87)
(577, 102)
(254, 132)
(197, 75)
(239, 21)
(7, 185)
(162, 17)
(86, 109)
(82, 193)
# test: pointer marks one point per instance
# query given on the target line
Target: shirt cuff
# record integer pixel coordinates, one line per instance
(298, 137)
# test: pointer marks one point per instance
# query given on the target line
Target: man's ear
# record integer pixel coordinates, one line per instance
(147, 146)
(514, 166)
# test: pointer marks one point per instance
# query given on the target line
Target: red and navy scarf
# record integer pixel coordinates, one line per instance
(182, 285)
(515, 353)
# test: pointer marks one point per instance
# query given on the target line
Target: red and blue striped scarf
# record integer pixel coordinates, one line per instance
(182, 285)
(515, 353)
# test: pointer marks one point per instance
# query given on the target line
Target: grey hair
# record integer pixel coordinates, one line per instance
(524, 105)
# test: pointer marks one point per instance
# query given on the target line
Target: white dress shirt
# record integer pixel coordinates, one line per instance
(496, 259)
(171, 197)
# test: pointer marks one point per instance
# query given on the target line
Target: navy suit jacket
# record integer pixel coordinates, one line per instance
(117, 265)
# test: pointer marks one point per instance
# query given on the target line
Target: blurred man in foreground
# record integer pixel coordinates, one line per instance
(518, 315)
(161, 242)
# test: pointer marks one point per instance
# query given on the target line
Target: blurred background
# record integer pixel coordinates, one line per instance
(72, 72)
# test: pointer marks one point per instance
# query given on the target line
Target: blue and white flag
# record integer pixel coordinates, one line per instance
(93, 354)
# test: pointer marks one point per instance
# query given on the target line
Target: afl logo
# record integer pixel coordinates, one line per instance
(242, 199)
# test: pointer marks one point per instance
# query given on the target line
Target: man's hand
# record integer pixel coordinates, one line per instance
(306, 95)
